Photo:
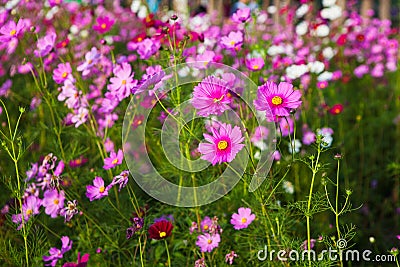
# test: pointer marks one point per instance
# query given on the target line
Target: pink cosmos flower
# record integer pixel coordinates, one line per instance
(97, 190)
(121, 179)
(114, 160)
(56, 254)
(308, 138)
(69, 92)
(205, 224)
(62, 73)
(286, 126)
(242, 219)
(280, 98)
(233, 41)
(210, 96)
(91, 58)
(241, 15)
(147, 48)
(31, 206)
(206, 57)
(361, 71)
(5, 88)
(255, 64)
(80, 116)
(123, 82)
(208, 242)
(230, 257)
(260, 133)
(55, 2)
(11, 30)
(223, 145)
(45, 44)
(70, 210)
(103, 25)
(53, 201)
(9, 34)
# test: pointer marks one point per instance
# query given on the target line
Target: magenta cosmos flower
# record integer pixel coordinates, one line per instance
(242, 15)
(242, 219)
(210, 96)
(123, 82)
(56, 254)
(114, 160)
(53, 201)
(45, 44)
(103, 25)
(223, 145)
(233, 41)
(280, 98)
(62, 73)
(255, 64)
(97, 190)
(208, 242)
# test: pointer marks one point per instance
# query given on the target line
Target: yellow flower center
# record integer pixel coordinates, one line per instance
(13, 32)
(232, 43)
(244, 220)
(140, 39)
(71, 206)
(29, 212)
(222, 145)
(163, 234)
(205, 227)
(56, 201)
(64, 74)
(255, 67)
(115, 161)
(209, 241)
(276, 100)
(90, 61)
(123, 82)
(103, 26)
(102, 188)
(218, 99)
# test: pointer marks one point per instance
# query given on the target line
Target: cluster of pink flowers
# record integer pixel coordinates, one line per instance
(47, 178)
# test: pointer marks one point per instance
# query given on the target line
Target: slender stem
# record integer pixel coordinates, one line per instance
(166, 247)
(314, 171)
(141, 252)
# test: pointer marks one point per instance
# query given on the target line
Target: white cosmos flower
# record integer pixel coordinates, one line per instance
(325, 76)
(296, 145)
(327, 3)
(302, 10)
(331, 13)
(275, 50)
(322, 30)
(302, 28)
(328, 52)
(316, 67)
(296, 71)
(271, 9)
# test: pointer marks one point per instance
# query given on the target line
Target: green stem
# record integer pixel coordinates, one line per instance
(166, 247)
(314, 171)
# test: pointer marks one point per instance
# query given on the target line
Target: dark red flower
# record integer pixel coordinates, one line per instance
(336, 109)
(82, 262)
(77, 162)
(160, 230)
